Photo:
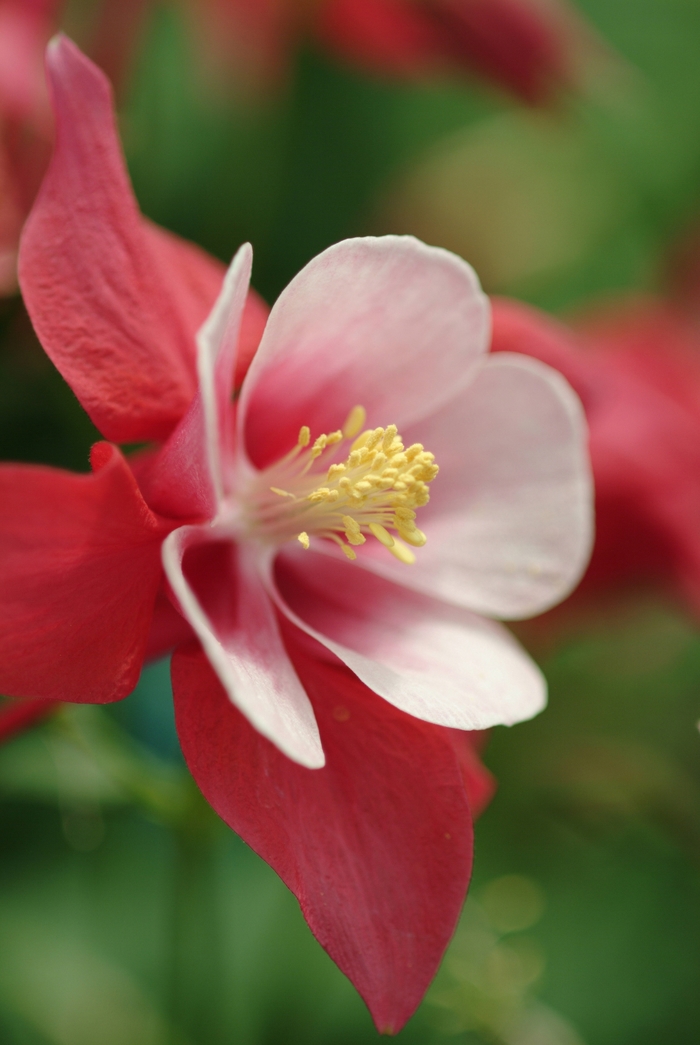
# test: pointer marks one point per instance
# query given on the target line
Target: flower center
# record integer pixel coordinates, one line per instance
(376, 489)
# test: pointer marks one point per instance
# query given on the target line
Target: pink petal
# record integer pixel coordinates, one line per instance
(376, 845)
(187, 478)
(510, 519)
(112, 300)
(389, 324)
(220, 594)
(253, 325)
(438, 662)
(79, 571)
(18, 715)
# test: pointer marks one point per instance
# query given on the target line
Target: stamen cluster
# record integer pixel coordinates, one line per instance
(377, 488)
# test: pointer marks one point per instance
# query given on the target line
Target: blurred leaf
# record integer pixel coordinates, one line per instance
(521, 197)
(80, 757)
(71, 993)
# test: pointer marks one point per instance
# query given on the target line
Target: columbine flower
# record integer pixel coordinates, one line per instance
(329, 538)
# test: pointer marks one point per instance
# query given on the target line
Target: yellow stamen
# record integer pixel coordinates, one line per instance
(382, 535)
(402, 553)
(412, 534)
(356, 419)
(362, 439)
(352, 530)
(375, 490)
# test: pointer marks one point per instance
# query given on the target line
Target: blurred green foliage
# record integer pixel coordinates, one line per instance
(129, 915)
(122, 893)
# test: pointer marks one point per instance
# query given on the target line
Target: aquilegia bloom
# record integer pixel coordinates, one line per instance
(316, 626)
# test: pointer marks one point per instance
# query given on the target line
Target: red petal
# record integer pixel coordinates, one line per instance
(115, 303)
(194, 277)
(376, 845)
(513, 43)
(188, 477)
(510, 42)
(168, 628)
(521, 328)
(390, 36)
(18, 715)
(79, 571)
(479, 782)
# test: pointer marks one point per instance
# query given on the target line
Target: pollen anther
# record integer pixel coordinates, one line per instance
(375, 490)
(355, 420)
(382, 534)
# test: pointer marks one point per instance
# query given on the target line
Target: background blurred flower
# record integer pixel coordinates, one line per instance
(25, 120)
(528, 48)
(524, 47)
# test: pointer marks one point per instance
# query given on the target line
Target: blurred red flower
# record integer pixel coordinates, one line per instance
(636, 365)
(527, 47)
(520, 45)
(25, 119)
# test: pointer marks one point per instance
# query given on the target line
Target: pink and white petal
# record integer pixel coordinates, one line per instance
(110, 307)
(79, 572)
(510, 519)
(217, 344)
(217, 586)
(376, 846)
(253, 325)
(437, 662)
(386, 323)
(186, 478)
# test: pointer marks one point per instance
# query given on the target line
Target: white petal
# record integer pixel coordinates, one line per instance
(437, 662)
(235, 621)
(510, 519)
(386, 323)
(217, 342)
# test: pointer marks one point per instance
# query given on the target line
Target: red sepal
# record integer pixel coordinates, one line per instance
(116, 302)
(377, 845)
(79, 572)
